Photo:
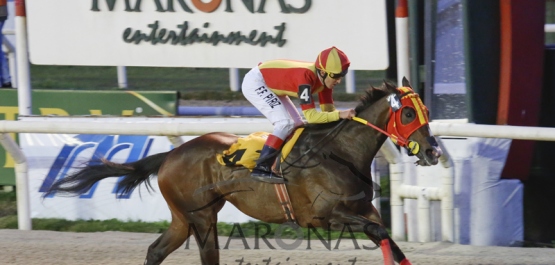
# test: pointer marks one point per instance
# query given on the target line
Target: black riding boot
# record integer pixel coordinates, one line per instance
(263, 169)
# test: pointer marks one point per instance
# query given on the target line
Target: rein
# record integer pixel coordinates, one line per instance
(315, 145)
(396, 131)
(412, 146)
(401, 141)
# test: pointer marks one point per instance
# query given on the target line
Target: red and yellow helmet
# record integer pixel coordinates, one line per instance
(333, 61)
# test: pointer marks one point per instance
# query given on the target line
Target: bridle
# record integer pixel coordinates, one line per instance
(395, 129)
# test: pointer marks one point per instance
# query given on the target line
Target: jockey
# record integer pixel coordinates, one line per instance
(268, 87)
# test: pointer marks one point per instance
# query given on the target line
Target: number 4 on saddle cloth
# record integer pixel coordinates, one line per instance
(246, 150)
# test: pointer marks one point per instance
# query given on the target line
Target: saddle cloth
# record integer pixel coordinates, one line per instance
(246, 150)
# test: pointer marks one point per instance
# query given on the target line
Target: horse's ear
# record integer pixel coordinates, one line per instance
(406, 82)
(389, 86)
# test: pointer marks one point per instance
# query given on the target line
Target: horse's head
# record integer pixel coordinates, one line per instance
(400, 114)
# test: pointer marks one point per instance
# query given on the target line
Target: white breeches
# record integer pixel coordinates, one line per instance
(281, 112)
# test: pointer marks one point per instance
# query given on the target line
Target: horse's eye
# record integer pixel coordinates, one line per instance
(409, 114)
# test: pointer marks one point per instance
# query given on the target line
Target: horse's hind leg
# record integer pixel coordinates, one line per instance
(202, 225)
(206, 234)
(169, 241)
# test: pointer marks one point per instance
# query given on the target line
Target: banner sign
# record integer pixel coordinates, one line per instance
(52, 156)
(204, 33)
(65, 103)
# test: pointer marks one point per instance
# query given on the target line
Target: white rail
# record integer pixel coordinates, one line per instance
(493, 131)
(173, 127)
(176, 127)
(424, 195)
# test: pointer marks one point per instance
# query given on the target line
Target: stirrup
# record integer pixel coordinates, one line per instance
(262, 174)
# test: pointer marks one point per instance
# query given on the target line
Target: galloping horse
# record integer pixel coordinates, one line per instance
(327, 172)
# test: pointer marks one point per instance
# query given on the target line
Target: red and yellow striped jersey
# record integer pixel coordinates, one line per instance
(292, 78)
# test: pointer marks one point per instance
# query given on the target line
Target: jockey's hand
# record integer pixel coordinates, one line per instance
(347, 114)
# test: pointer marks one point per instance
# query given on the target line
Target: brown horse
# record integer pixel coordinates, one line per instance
(327, 172)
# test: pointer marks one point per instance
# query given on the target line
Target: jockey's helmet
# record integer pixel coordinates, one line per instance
(333, 61)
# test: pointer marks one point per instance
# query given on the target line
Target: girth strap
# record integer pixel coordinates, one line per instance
(285, 202)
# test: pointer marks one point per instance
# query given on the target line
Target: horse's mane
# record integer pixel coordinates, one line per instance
(371, 95)
(374, 94)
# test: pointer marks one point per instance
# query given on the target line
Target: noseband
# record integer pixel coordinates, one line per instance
(396, 130)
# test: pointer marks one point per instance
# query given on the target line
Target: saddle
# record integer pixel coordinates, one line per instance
(246, 150)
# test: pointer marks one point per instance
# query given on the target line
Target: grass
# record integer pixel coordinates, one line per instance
(8, 220)
(8, 205)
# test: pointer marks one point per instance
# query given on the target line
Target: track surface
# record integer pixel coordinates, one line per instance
(64, 248)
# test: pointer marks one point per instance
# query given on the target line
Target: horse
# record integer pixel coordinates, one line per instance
(327, 175)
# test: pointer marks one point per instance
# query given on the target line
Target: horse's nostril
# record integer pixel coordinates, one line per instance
(434, 152)
(437, 151)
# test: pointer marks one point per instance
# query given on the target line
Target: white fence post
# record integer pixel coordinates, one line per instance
(22, 182)
(350, 84)
(393, 157)
(423, 215)
(234, 79)
(448, 195)
(23, 71)
(402, 33)
(376, 179)
(122, 77)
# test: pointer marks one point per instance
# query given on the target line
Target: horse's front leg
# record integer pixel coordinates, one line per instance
(373, 227)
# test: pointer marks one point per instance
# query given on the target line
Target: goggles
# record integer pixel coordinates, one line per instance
(337, 76)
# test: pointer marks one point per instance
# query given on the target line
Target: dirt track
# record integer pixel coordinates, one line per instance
(64, 248)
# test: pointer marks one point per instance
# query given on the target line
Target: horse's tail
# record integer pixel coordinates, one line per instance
(134, 174)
